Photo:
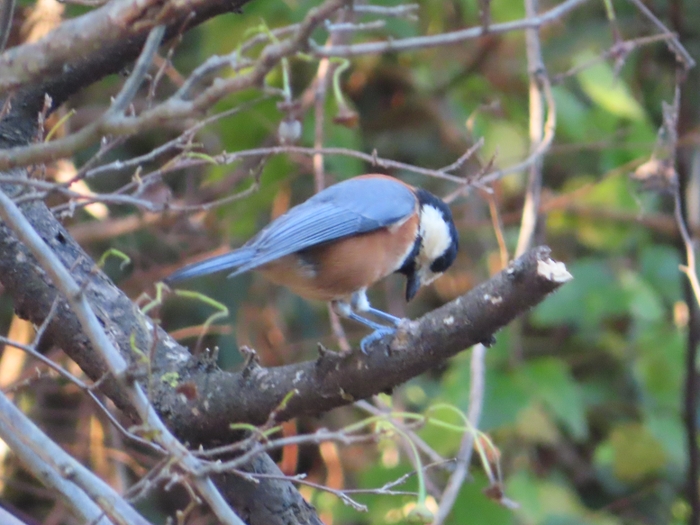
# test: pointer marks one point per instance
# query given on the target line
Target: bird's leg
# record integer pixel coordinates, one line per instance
(368, 322)
(396, 321)
(344, 309)
(360, 303)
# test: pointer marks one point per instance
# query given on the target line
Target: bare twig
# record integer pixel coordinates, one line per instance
(178, 106)
(116, 364)
(342, 494)
(118, 198)
(133, 83)
(182, 142)
(618, 50)
(89, 390)
(691, 386)
(538, 78)
(689, 269)
(385, 489)
(397, 11)
(87, 494)
(680, 51)
(7, 10)
(423, 42)
(476, 400)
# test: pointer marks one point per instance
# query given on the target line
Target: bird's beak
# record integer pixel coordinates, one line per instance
(412, 286)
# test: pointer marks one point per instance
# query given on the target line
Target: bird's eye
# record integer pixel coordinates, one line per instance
(442, 263)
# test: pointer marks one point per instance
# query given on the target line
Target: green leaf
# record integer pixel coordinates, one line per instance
(550, 502)
(504, 398)
(535, 426)
(600, 83)
(667, 428)
(634, 452)
(472, 503)
(572, 114)
(644, 303)
(659, 367)
(549, 381)
(659, 266)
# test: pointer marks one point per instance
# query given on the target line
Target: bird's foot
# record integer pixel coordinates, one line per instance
(378, 334)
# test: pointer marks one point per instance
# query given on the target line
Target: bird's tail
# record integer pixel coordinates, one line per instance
(227, 261)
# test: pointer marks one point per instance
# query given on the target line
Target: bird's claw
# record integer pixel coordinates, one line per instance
(378, 334)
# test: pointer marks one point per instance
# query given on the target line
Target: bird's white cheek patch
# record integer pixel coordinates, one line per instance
(435, 233)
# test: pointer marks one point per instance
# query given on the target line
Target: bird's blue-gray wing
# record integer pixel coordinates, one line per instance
(351, 207)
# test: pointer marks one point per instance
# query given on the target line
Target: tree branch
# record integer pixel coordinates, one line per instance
(334, 379)
(330, 381)
(85, 492)
(109, 37)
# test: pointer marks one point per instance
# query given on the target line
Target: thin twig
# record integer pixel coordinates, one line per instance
(181, 141)
(63, 280)
(423, 42)
(228, 158)
(691, 386)
(538, 79)
(339, 493)
(476, 401)
(618, 49)
(133, 83)
(497, 228)
(671, 123)
(7, 10)
(397, 11)
(88, 389)
(176, 107)
(417, 440)
(86, 493)
(680, 51)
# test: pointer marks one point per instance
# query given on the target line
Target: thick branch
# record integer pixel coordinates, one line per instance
(330, 381)
(107, 37)
(33, 295)
(335, 379)
(83, 50)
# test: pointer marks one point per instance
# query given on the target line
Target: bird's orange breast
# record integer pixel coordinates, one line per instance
(337, 269)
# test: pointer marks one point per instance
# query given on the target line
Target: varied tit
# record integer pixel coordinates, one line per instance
(343, 240)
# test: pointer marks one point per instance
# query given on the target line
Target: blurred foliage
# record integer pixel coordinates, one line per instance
(583, 397)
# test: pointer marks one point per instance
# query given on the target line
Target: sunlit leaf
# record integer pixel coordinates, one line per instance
(636, 454)
(600, 83)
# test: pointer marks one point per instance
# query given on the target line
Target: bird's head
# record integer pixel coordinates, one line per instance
(436, 246)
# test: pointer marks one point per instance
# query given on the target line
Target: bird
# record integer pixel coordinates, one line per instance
(344, 239)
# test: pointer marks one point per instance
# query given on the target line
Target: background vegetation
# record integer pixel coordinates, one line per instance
(589, 398)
